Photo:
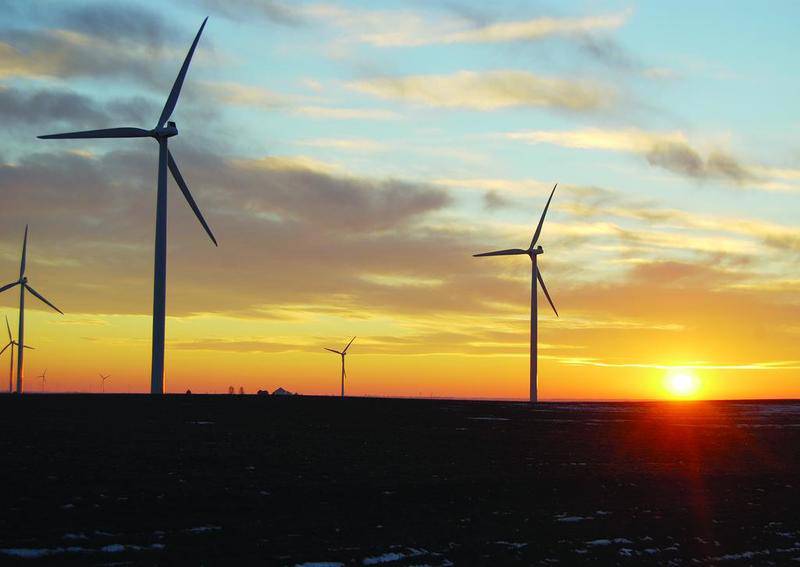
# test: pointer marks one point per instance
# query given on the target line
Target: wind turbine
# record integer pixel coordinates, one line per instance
(104, 378)
(535, 276)
(22, 282)
(43, 376)
(163, 131)
(342, 353)
(11, 344)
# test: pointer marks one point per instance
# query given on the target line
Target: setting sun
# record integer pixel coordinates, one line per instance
(682, 385)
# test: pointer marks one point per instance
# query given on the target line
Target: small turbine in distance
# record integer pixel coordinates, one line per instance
(104, 378)
(43, 376)
(162, 132)
(535, 276)
(342, 353)
(22, 282)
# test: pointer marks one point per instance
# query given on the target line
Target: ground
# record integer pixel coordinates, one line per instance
(324, 481)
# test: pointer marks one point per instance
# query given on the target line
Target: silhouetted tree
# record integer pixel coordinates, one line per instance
(231, 391)
(241, 390)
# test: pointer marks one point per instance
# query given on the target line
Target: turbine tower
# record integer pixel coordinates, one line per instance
(535, 276)
(163, 131)
(11, 344)
(104, 378)
(22, 282)
(342, 353)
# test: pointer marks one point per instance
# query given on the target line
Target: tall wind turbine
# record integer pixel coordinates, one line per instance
(22, 282)
(535, 276)
(43, 376)
(342, 353)
(104, 378)
(163, 131)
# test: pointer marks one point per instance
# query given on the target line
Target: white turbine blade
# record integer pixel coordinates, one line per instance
(509, 252)
(348, 345)
(8, 286)
(172, 100)
(104, 133)
(41, 298)
(24, 254)
(541, 220)
(176, 173)
(544, 289)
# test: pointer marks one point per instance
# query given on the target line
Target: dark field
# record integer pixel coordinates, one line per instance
(231, 480)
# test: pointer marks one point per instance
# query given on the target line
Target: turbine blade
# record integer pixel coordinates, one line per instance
(4, 349)
(8, 286)
(41, 298)
(330, 349)
(8, 327)
(176, 173)
(541, 220)
(172, 100)
(24, 254)
(544, 289)
(348, 345)
(104, 133)
(509, 252)
(28, 347)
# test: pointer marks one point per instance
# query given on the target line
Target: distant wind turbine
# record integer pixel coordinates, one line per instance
(535, 276)
(162, 132)
(22, 282)
(43, 376)
(104, 378)
(342, 353)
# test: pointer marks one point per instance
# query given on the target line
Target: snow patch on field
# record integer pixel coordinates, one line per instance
(392, 556)
(203, 529)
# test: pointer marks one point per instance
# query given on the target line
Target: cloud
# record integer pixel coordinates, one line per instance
(490, 90)
(403, 28)
(347, 144)
(671, 151)
(493, 200)
(55, 108)
(333, 113)
(275, 11)
(114, 21)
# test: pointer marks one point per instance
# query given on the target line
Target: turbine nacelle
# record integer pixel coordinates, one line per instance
(167, 131)
(536, 251)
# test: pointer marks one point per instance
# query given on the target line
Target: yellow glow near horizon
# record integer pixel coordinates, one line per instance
(682, 385)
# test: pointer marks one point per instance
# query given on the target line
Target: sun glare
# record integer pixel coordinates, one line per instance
(682, 385)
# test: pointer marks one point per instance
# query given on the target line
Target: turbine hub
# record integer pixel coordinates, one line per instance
(536, 251)
(167, 131)
(23, 280)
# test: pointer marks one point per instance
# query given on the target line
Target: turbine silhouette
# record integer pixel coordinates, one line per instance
(11, 344)
(162, 132)
(104, 378)
(342, 353)
(535, 276)
(22, 282)
(43, 376)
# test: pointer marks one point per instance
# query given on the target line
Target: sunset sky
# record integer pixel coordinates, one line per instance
(352, 156)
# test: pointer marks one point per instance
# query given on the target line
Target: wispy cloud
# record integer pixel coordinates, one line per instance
(403, 28)
(490, 90)
(668, 150)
